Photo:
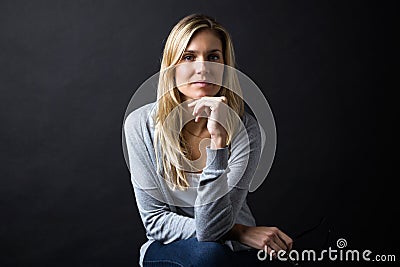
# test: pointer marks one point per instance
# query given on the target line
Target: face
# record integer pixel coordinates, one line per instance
(196, 74)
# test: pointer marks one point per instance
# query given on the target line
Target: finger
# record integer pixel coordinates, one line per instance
(268, 250)
(215, 98)
(207, 111)
(200, 115)
(285, 238)
(196, 107)
(274, 246)
(281, 243)
(191, 104)
(208, 98)
(200, 106)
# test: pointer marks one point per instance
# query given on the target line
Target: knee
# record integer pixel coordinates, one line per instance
(211, 254)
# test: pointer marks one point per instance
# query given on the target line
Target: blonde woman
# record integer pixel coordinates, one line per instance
(192, 154)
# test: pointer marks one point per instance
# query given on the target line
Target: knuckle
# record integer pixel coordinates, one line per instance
(270, 234)
(274, 229)
(267, 240)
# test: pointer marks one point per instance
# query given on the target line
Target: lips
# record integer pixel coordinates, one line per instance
(201, 83)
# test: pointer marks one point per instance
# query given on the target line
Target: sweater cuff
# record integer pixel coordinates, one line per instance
(217, 159)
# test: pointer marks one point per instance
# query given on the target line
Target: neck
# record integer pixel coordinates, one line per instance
(198, 129)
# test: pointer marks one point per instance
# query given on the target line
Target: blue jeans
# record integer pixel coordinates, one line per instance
(190, 252)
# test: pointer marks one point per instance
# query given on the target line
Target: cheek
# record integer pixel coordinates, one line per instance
(181, 78)
(218, 73)
(182, 75)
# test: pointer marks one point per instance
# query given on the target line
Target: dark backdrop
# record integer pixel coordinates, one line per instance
(69, 68)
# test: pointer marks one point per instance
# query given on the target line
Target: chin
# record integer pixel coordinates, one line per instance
(198, 93)
(203, 95)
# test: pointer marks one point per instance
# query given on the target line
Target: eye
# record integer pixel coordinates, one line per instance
(213, 57)
(187, 57)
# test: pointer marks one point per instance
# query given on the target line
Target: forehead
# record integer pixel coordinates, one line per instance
(205, 40)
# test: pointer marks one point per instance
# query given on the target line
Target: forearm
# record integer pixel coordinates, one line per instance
(160, 222)
(236, 233)
(223, 189)
(213, 207)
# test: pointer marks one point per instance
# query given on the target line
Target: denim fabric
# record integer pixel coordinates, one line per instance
(190, 252)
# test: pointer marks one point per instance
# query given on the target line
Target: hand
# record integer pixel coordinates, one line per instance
(270, 239)
(216, 111)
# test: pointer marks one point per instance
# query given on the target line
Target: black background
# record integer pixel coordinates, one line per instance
(69, 68)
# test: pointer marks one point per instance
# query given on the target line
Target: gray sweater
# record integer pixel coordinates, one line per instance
(220, 196)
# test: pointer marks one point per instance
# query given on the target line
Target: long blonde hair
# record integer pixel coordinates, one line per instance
(172, 149)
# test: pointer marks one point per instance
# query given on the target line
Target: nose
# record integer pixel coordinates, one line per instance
(201, 67)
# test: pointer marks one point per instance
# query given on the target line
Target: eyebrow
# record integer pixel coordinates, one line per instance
(209, 51)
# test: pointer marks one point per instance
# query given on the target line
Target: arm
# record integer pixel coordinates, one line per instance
(259, 237)
(159, 221)
(225, 182)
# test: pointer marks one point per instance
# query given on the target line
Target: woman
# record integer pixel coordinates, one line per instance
(192, 155)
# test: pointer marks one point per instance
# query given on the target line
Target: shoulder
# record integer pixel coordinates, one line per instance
(135, 120)
(139, 122)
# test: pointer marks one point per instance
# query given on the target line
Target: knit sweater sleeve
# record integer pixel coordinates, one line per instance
(159, 221)
(224, 183)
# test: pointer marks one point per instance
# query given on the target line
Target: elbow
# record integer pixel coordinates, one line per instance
(154, 226)
(213, 222)
(213, 232)
(205, 237)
